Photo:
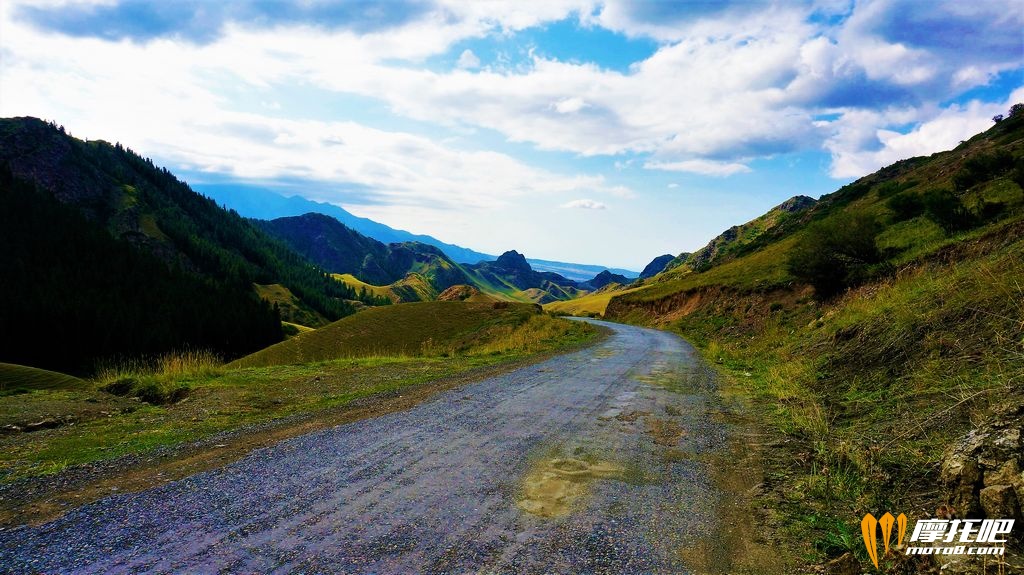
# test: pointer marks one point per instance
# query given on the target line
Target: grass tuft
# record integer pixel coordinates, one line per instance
(161, 380)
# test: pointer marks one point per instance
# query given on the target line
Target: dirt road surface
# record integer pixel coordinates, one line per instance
(590, 462)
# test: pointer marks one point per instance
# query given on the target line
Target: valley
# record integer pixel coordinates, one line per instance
(848, 343)
(589, 287)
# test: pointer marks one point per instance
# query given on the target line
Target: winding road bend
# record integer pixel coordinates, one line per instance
(590, 462)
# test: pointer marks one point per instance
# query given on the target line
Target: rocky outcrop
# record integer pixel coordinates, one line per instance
(982, 472)
(511, 268)
(460, 292)
(514, 262)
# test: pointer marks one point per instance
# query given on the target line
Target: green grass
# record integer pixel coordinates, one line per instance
(108, 426)
(411, 329)
(292, 309)
(871, 388)
(868, 389)
(761, 270)
(15, 379)
(219, 398)
(353, 281)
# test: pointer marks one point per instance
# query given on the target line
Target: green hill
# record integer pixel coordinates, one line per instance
(403, 330)
(20, 378)
(104, 254)
(871, 329)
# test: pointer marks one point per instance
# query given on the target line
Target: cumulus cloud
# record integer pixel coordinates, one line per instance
(585, 204)
(862, 143)
(468, 60)
(702, 167)
(729, 82)
(570, 105)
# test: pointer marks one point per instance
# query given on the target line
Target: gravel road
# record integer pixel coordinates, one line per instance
(590, 462)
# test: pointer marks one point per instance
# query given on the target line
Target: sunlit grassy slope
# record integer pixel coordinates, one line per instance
(397, 330)
(292, 309)
(868, 387)
(358, 284)
(593, 304)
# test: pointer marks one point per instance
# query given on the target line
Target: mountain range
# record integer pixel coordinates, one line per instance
(105, 255)
(259, 203)
(415, 271)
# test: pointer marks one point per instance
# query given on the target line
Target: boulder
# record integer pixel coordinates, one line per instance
(987, 457)
(1000, 501)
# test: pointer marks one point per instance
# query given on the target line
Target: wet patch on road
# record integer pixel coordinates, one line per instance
(555, 484)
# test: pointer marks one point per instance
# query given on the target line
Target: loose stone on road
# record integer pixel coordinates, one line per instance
(590, 462)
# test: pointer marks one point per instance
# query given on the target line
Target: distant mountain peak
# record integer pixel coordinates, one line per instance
(513, 261)
(607, 277)
(656, 266)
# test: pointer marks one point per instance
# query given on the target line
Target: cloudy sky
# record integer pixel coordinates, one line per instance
(599, 131)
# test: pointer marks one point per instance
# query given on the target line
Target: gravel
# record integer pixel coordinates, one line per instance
(435, 489)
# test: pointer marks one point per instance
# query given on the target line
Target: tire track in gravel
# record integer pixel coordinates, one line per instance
(437, 488)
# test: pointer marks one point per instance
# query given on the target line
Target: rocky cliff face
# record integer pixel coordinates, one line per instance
(982, 477)
(983, 473)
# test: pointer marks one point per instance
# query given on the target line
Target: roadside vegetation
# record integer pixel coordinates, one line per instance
(868, 334)
(139, 406)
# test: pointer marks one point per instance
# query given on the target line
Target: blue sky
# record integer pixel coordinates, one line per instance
(595, 131)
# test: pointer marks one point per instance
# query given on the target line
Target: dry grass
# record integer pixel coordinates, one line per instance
(426, 329)
(590, 305)
(188, 363)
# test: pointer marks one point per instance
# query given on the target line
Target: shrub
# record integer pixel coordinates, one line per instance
(905, 206)
(837, 253)
(149, 389)
(982, 168)
(946, 210)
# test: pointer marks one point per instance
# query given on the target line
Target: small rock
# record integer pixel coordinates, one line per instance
(48, 423)
(1008, 474)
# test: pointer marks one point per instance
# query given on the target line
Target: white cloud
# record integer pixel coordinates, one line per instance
(672, 186)
(702, 167)
(722, 88)
(863, 142)
(468, 60)
(570, 105)
(585, 204)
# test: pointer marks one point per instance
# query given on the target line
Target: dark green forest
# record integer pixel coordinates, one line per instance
(72, 294)
(103, 254)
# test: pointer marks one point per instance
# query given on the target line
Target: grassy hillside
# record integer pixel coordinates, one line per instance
(291, 309)
(15, 379)
(867, 376)
(418, 286)
(107, 254)
(412, 329)
(589, 305)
